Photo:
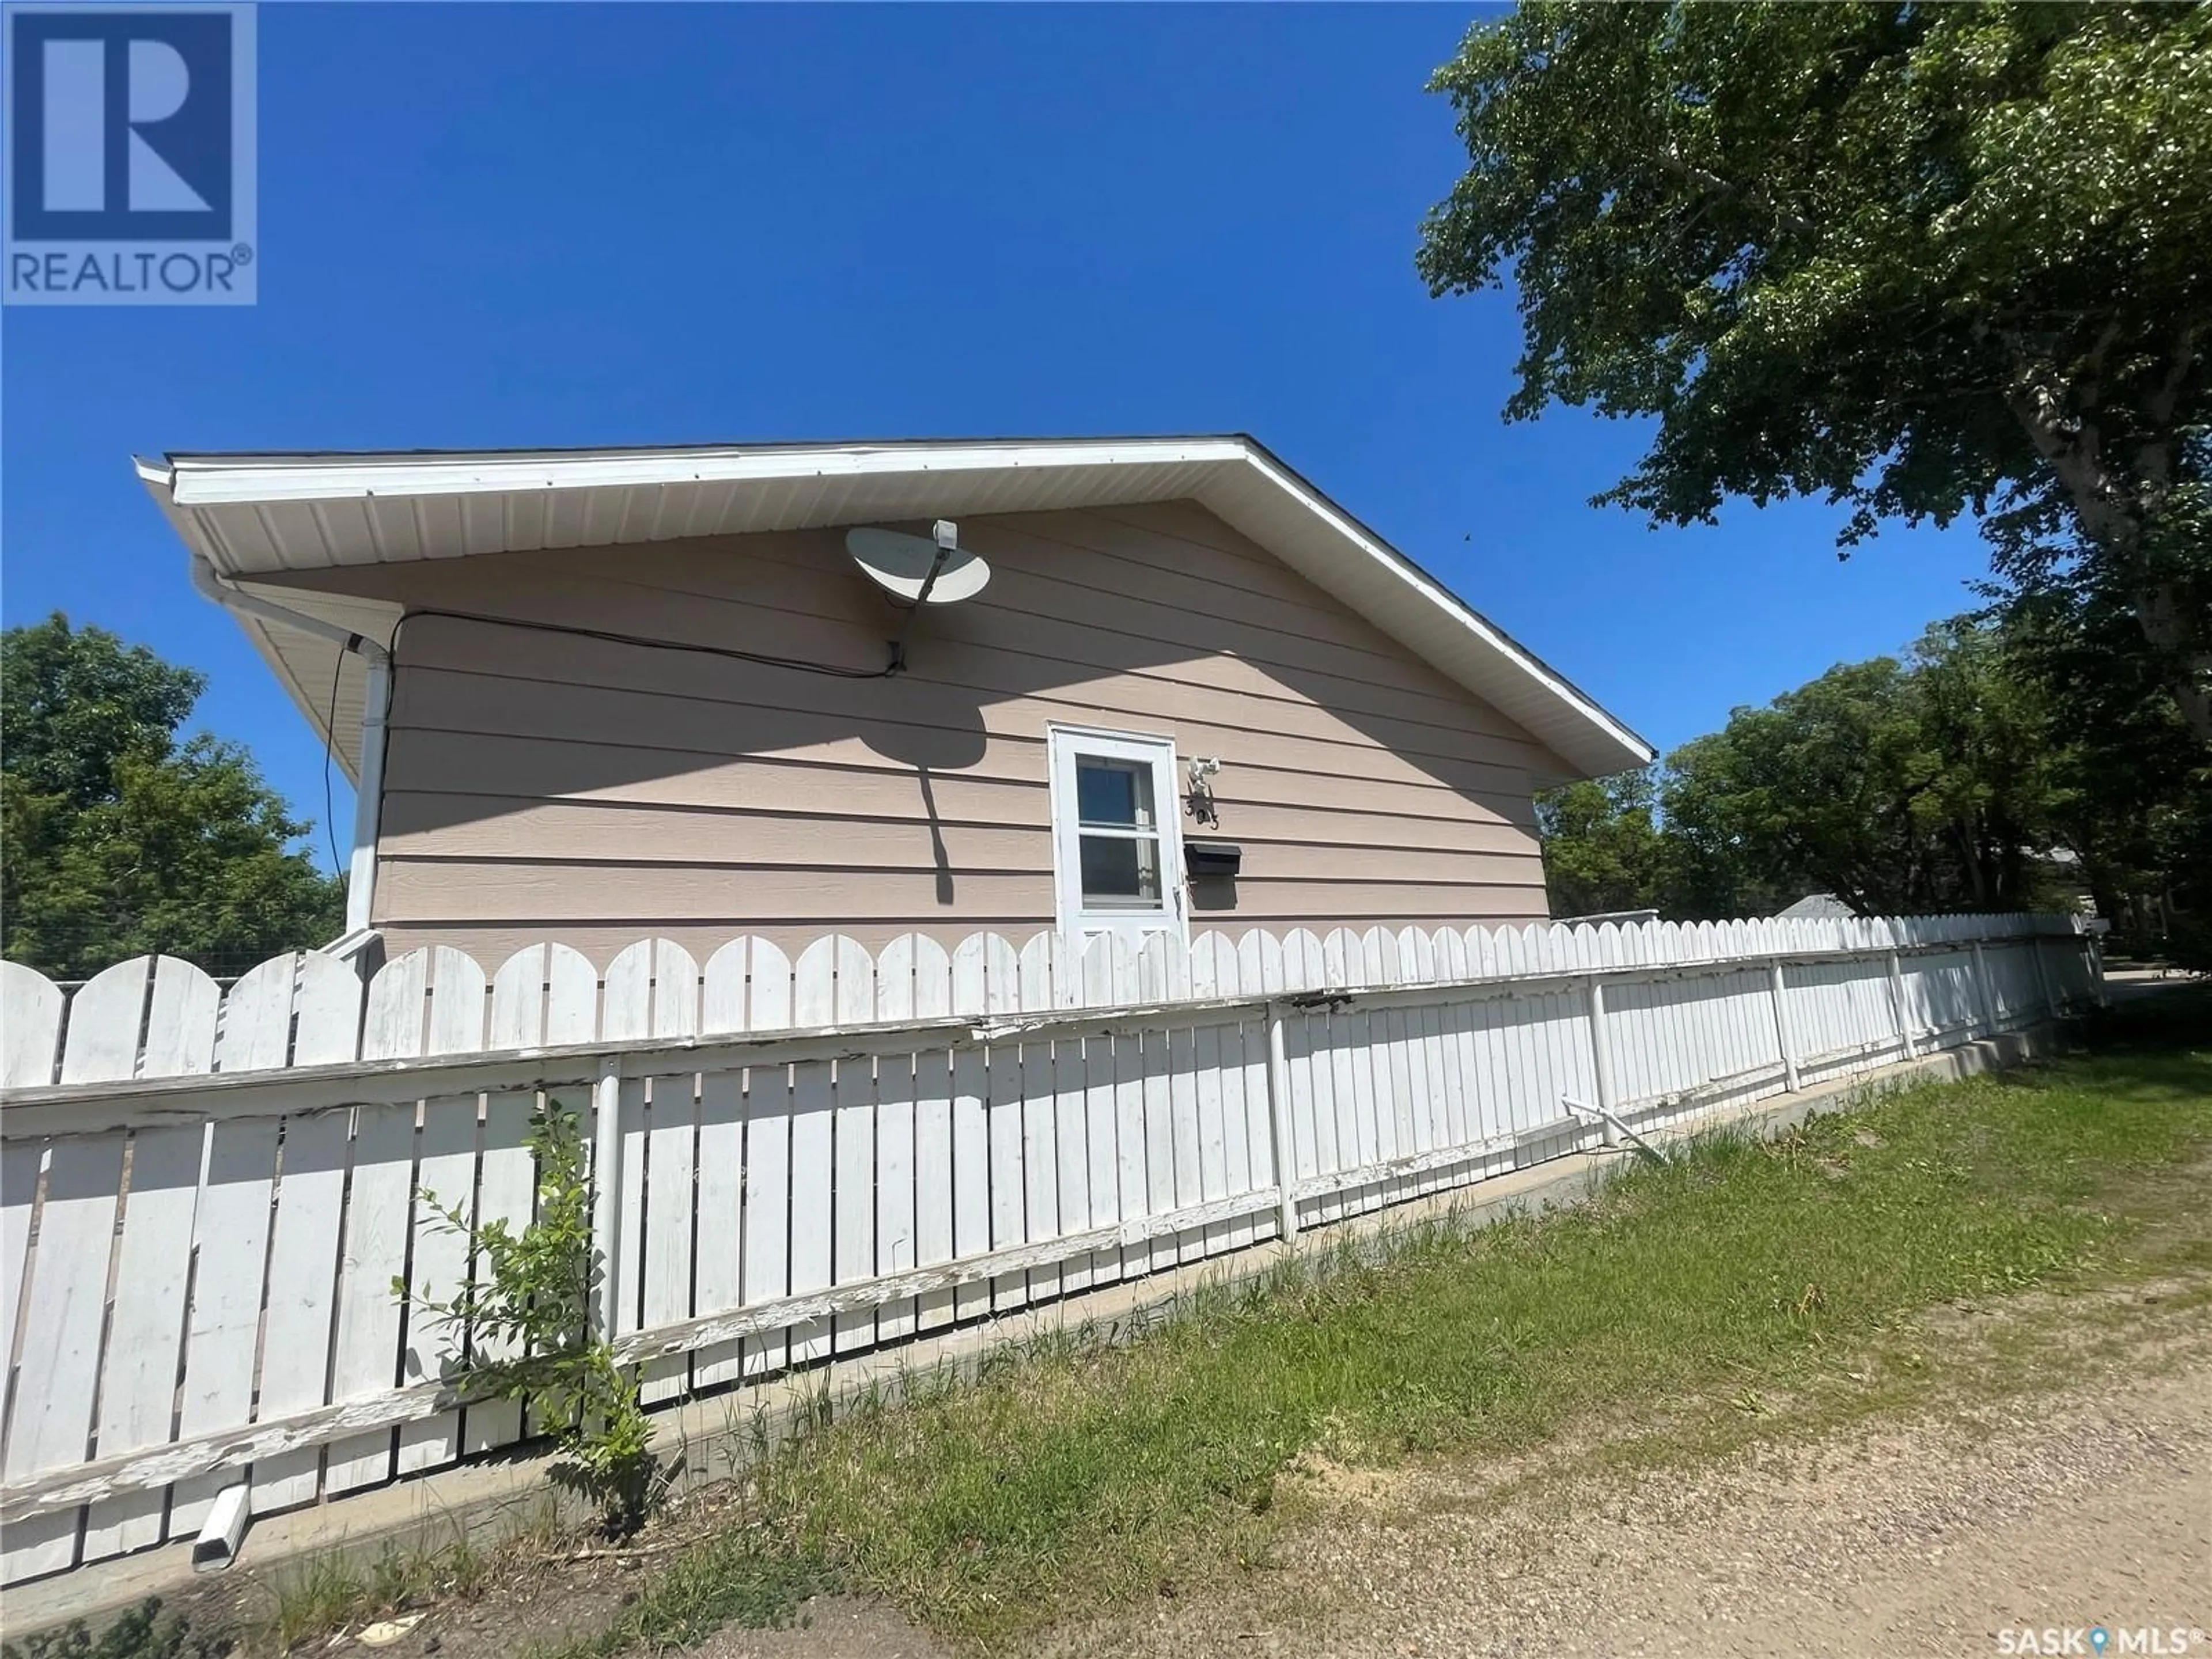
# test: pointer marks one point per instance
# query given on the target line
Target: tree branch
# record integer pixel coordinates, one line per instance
(2070, 445)
(1669, 159)
(2092, 391)
(2162, 404)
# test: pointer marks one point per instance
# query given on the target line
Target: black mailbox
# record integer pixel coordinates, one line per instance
(1213, 858)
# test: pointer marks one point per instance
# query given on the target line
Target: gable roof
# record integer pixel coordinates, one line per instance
(261, 516)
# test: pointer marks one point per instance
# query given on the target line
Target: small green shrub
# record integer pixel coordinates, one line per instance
(530, 1301)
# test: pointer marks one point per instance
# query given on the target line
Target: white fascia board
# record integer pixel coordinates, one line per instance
(209, 482)
(1396, 566)
(161, 485)
(159, 481)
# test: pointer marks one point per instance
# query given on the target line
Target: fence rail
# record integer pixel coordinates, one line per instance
(205, 1197)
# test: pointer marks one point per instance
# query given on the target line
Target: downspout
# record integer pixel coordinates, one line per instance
(368, 788)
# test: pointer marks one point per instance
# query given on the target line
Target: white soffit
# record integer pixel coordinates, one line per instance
(260, 515)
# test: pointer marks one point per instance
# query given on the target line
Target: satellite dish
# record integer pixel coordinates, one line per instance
(900, 564)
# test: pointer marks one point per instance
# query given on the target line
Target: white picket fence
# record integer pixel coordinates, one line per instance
(207, 1197)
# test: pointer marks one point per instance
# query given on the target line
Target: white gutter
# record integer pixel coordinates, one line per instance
(218, 481)
(368, 790)
(231, 596)
(369, 793)
(350, 943)
(1583, 1113)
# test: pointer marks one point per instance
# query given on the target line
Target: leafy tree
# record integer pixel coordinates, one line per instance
(116, 838)
(1815, 791)
(2132, 790)
(1921, 259)
(1602, 847)
(1944, 780)
(1899, 786)
(1989, 803)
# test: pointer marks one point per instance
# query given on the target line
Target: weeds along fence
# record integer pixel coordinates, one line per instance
(208, 1196)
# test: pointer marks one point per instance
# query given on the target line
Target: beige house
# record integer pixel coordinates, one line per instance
(594, 696)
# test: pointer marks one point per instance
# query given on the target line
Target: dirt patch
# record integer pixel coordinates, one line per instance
(2094, 1505)
(546, 1593)
(500, 1626)
(1331, 1485)
(829, 1627)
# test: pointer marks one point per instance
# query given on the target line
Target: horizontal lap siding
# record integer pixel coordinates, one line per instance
(544, 785)
(1052, 604)
(889, 834)
(921, 725)
(994, 790)
(952, 676)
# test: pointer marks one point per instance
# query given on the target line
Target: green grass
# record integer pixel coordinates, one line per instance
(1079, 1475)
(328, 1592)
(729, 1580)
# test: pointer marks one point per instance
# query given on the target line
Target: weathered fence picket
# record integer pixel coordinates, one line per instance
(204, 1199)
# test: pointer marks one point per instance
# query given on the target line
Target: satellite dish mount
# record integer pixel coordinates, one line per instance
(917, 571)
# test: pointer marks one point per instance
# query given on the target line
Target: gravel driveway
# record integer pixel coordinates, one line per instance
(2093, 1506)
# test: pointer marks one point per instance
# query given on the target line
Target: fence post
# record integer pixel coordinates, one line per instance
(1601, 1059)
(606, 1196)
(1279, 1124)
(1897, 1001)
(2041, 976)
(1981, 998)
(1782, 1038)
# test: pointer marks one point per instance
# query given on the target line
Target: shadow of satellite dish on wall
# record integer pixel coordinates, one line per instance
(920, 572)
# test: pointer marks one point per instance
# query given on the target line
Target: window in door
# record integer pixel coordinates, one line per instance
(1117, 844)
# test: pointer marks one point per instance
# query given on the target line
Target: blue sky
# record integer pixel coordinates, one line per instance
(518, 226)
